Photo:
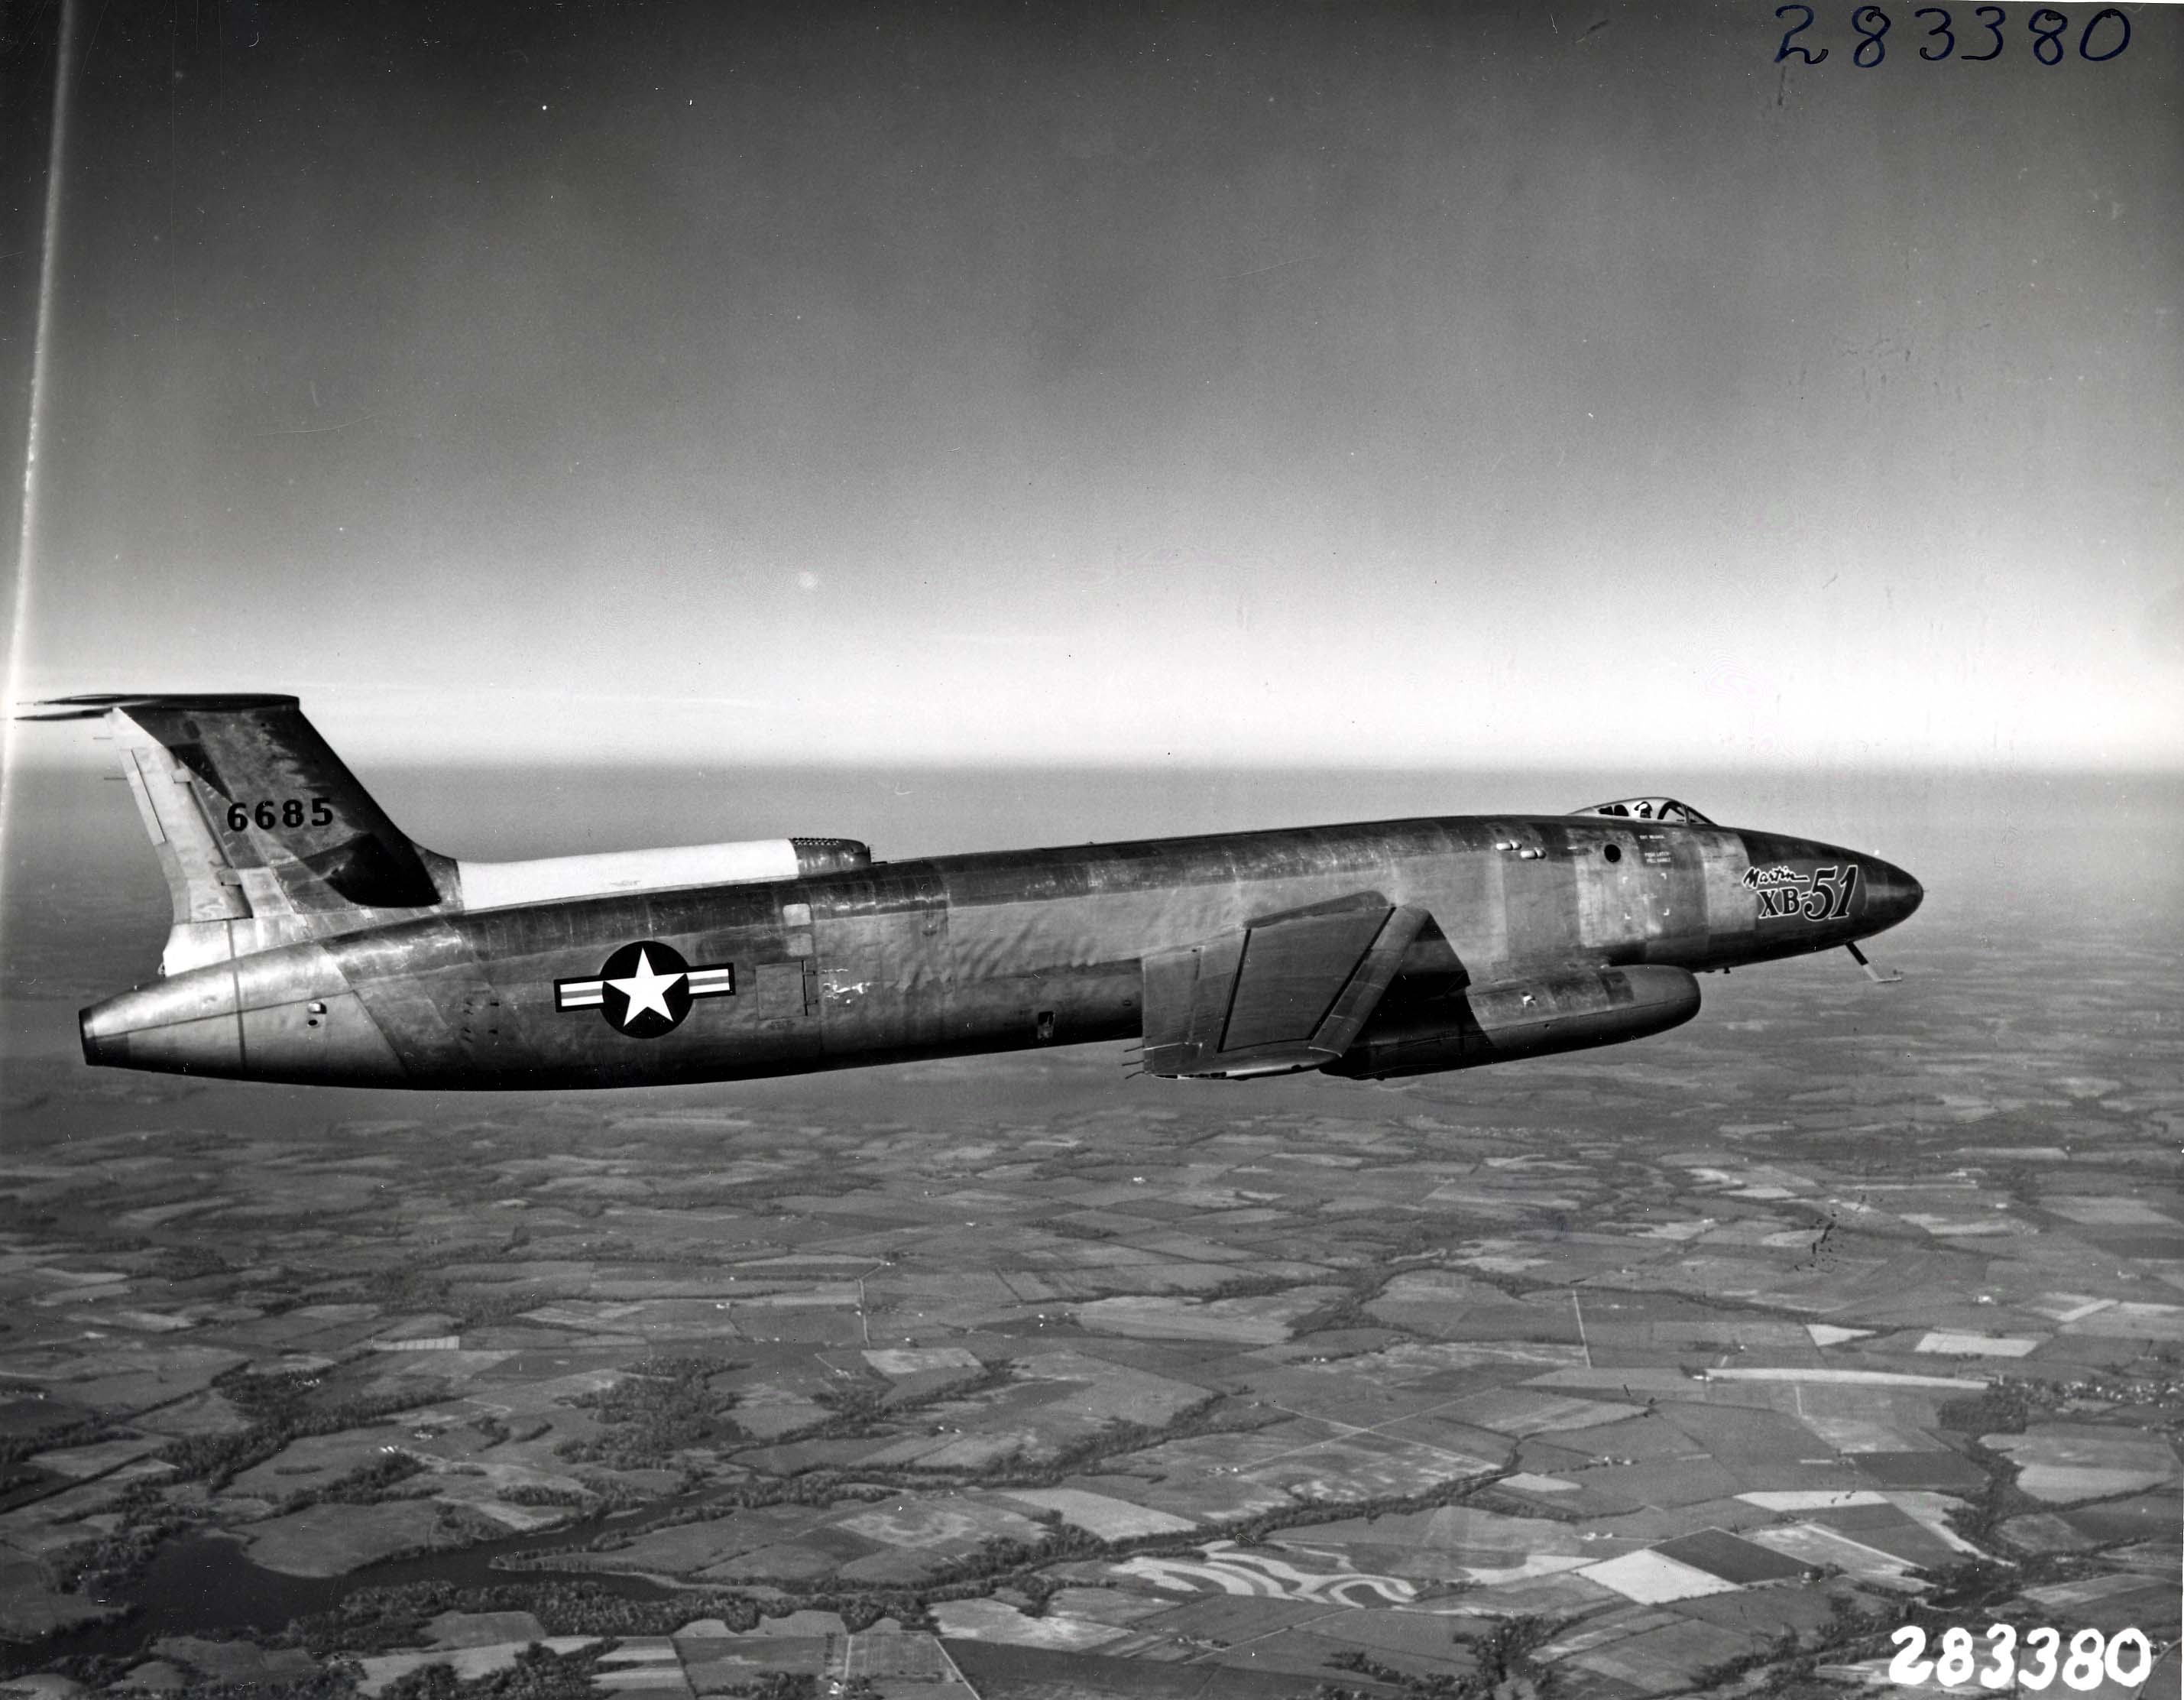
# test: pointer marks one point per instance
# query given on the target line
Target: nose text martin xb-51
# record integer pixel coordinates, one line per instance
(313, 942)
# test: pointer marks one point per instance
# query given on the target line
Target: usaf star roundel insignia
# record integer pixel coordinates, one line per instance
(646, 989)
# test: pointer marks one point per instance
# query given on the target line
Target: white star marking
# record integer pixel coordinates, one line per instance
(645, 991)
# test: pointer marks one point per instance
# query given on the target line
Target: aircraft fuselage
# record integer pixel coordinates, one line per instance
(1006, 951)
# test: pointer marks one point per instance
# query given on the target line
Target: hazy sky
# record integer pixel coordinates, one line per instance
(1541, 384)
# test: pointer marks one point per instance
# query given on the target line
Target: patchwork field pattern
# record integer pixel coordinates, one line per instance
(1692, 1367)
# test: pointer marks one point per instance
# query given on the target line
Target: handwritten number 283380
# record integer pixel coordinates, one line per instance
(2047, 27)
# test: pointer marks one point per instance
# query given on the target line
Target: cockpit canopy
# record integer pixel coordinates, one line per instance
(1666, 809)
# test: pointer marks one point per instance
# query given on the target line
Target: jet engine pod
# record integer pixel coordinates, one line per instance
(1569, 1010)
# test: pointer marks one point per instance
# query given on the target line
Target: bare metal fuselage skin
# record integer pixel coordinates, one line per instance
(1004, 952)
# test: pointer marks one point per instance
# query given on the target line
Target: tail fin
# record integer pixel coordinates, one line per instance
(264, 836)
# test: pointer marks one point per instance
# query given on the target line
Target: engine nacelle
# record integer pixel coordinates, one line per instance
(1570, 1010)
(507, 884)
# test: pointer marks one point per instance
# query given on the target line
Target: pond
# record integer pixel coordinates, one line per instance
(205, 1584)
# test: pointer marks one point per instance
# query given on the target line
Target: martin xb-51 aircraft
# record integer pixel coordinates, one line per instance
(313, 942)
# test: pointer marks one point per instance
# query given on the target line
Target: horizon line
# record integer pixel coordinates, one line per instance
(93, 759)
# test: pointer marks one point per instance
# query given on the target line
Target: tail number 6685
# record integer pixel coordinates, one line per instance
(279, 811)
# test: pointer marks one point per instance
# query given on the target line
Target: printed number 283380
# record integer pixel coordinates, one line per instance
(2092, 1659)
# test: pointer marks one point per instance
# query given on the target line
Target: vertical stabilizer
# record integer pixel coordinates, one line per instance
(264, 835)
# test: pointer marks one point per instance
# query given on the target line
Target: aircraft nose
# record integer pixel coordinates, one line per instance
(1892, 895)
